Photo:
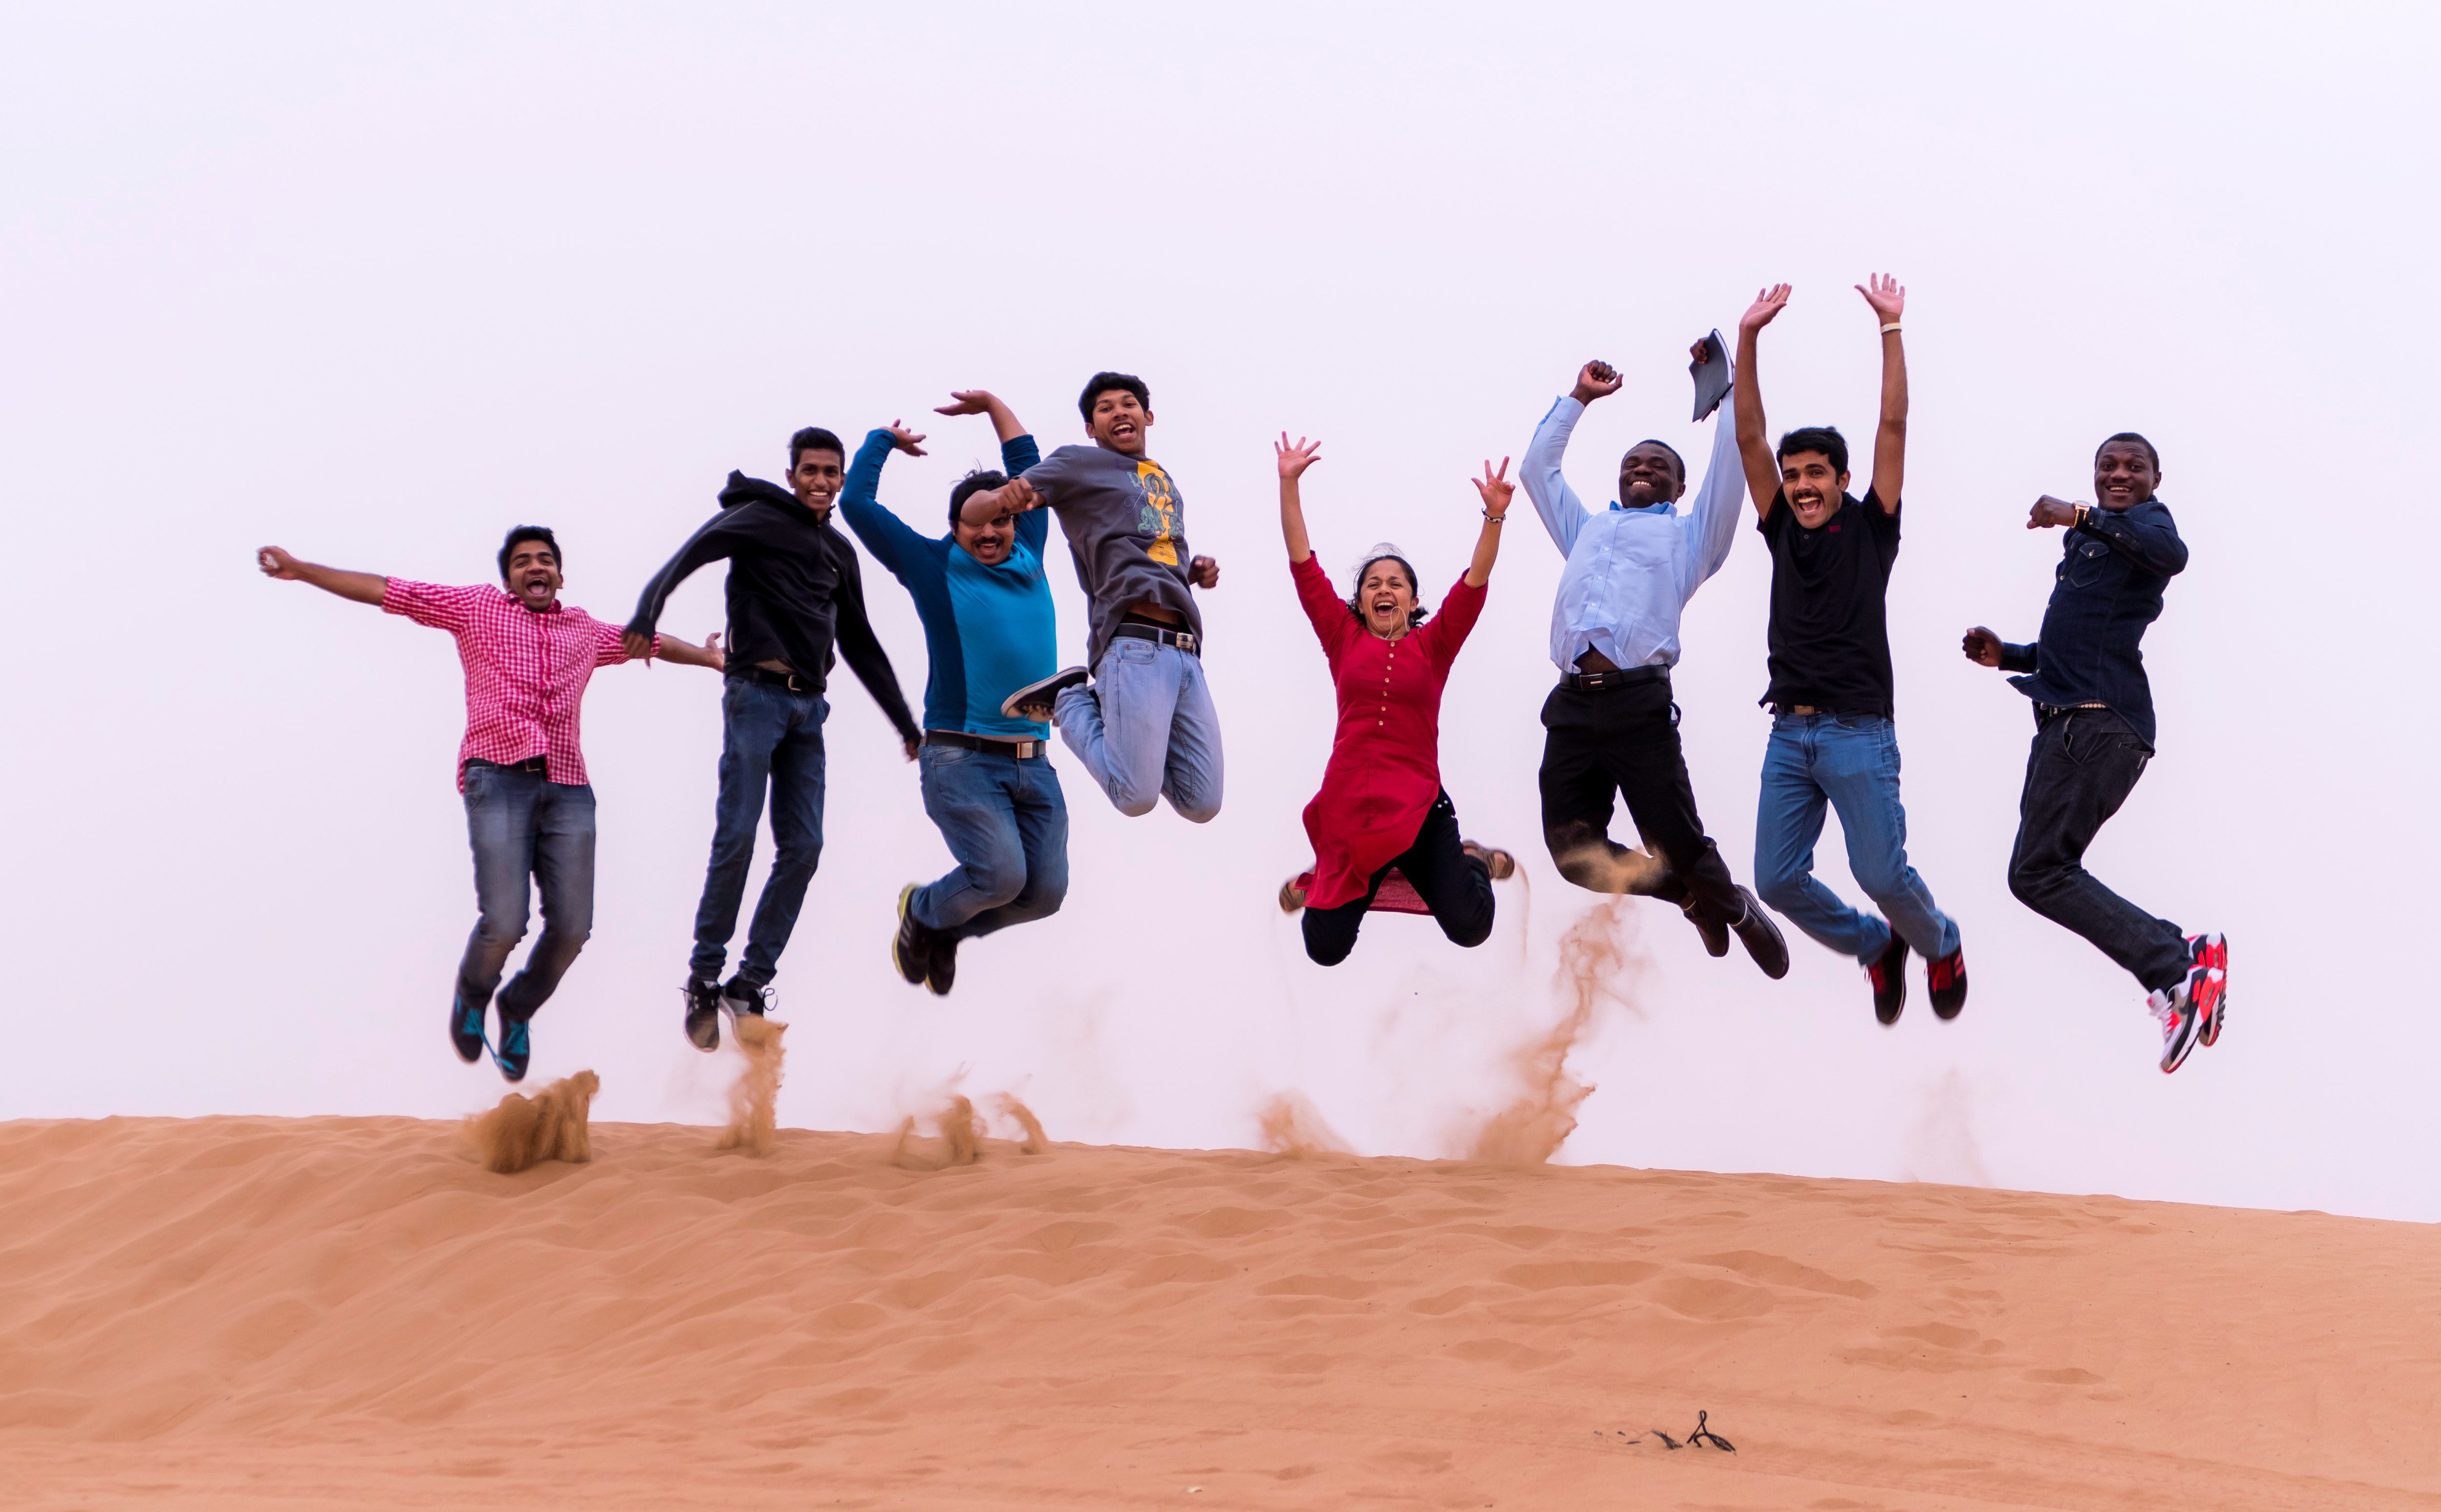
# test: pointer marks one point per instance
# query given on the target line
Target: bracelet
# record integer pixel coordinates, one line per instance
(1496, 519)
(2083, 511)
(1888, 329)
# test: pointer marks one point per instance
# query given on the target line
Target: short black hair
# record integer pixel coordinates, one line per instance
(529, 532)
(2131, 436)
(813, 439)
(1103, 382)
(967, 487)
(1823, 438)
(1655, 440)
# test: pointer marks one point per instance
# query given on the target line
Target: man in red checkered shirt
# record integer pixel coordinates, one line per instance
(520, 770)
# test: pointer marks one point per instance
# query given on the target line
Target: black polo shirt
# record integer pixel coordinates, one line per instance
(1830, 641)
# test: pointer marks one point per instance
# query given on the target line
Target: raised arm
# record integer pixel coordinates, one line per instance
(363, 588)
(1293, 461)
(884, 535)
(1495, 489)
(1754, 439)
(1546, 486)
(1015, 496)
(1712, 520)
(983, 401)
(2151, 541)
(1889, 301)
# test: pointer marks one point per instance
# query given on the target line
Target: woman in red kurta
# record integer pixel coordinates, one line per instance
(1382, 807)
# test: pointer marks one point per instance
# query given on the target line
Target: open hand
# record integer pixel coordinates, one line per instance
(1982, 647)
(1593, 380)
(1204, 572)
(1883, 292)
(712, 649)
(966, 402)
(1495, 488)
(1294, 460)
(1768, 306)
(276, 564)
(2051, 512)
(905, 440)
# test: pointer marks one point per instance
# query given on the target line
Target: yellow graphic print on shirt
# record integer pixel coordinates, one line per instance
(1157, 515)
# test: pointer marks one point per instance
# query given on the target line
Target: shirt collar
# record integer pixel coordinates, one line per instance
(1659, 505)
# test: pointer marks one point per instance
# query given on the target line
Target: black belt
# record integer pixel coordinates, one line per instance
(1021, 750)
(777, 679)
(1613, 677)
(1183, 639)
(532, 763)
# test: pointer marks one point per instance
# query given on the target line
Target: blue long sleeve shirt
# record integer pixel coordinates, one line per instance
(2108, 590)
(989, 630)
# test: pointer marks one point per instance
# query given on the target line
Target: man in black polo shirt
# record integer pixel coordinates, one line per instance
(2093, 733)
(1832, 740)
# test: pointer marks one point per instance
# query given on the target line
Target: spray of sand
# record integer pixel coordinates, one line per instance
(960, 1140)
(1294, 1127)
(524, 1131)
(1032, 1141)
(754, 1100)
(1598, 962)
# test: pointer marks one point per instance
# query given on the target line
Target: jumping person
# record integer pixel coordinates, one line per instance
(520, 766)
(989, 627)
(1831, 692)
(2093, 733)
(794, 591)
(1611, 726)
(1382, 805)
(1145, 729)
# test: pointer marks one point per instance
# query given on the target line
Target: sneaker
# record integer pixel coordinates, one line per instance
(517, 1048)
(1889, 971)
(1499, 863)
(1946, 976)
(940, 964)
(2174, 1008)
(703, 1014)
(1763, 938)
(911, 947)
(743, 999)
(1293, 892)
(2210, 953)
(1036, 700)
(465, 1030)
(1716, 936)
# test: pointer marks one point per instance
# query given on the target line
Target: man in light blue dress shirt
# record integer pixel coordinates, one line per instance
(1612, 727)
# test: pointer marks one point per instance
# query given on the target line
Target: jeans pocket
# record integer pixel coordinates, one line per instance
(1135, 652)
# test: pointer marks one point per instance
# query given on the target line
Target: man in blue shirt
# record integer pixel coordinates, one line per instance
(2093, 733)
(1611, 726)
(989, 626)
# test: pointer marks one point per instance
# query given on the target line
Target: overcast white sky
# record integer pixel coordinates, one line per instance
(375, 283)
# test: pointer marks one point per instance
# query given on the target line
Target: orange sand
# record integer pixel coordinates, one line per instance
(351, 1312)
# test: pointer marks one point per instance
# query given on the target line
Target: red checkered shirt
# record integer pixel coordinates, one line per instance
(525, 672)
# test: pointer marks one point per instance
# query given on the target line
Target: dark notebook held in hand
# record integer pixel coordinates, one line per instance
(1712, 372)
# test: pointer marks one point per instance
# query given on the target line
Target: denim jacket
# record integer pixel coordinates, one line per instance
(2108, 588)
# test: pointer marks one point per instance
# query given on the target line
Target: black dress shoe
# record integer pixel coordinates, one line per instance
(1763, 938)
(1716, 936)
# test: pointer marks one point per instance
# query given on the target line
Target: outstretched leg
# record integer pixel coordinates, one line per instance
(2084, 764)
(1789, 811)
(1858, 769)
(797, 773)
(753, 716)
(563, 864)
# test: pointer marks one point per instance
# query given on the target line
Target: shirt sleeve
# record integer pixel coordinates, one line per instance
(1710, 524)
(1019, 456)
(888, 537)
(610, 649)
(720, 537)
(1447, 630)
(1323, 609)
(429, 604)
(1562, 514)
(861, 648)
(2149, 538)
(2020, 659)
(1884, 523)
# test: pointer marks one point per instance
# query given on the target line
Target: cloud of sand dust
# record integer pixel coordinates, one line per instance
(1598, 962)
(754, 1121)
(1621, 874)
(1941, 1144)
(1031, 1141)
(1294, 1127)
(524, 1131)
(960, 1138)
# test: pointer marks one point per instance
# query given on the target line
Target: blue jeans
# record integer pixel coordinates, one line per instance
(1851, 761)
(525, 828)
(1005, 823)
(769, 735)
(1147, 730)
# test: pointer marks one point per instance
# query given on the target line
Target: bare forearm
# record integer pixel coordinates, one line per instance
(990, 504)
(687, 654)
(1895, 384)
(1005, 421)
(1292, 522)
(1487, 550)
(1754, 441)
(364, 588)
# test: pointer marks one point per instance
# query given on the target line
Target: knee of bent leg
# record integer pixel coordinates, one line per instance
(1328, 952)
(1197, 809)
(2029, 883)
(1469, 933)
(1779, 887)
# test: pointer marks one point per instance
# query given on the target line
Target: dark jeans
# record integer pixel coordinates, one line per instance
(2085, 763)
(525, 828)
(1625, 741)
(768, 736)
(1455, 886)
(1005, 821)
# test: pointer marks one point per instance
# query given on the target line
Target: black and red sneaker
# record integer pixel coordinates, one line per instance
(2210, 953)
(1946, 976)
(1889, 971)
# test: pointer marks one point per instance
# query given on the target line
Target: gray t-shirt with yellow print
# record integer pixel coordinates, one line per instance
(1126, 527)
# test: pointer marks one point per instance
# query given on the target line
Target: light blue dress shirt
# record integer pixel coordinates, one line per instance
(1630, 571)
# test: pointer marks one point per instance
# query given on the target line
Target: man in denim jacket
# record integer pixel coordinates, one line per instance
(2093, 717)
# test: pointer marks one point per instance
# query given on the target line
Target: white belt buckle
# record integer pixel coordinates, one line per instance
(1186, 640)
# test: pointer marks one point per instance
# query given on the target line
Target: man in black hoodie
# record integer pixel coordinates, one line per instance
(794, 589)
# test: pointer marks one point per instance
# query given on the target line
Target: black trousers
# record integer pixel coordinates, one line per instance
(1455, 886)
(2085, 763)
(1624, 740)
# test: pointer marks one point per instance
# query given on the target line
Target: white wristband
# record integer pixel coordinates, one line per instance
(1888, 329)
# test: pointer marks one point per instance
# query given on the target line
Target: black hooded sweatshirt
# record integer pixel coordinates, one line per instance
(794, 588)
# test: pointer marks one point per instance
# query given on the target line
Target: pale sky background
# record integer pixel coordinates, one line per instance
(375, 283)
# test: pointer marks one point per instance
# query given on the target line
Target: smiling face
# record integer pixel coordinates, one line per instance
(1649, 475)
(1385, 598)
(1814, 489)
(2124, 475)
(816, 479)
(1118, 423)
(533, 574)
(989, 542)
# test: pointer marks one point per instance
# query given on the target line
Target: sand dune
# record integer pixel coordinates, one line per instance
(263, 1313)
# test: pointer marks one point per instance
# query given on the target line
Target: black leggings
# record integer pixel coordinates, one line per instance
(1455, 886)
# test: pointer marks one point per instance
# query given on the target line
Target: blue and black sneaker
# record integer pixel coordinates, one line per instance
(465, 1030)
(517, 1048)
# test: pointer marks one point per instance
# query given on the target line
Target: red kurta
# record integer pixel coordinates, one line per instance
(1385, 761)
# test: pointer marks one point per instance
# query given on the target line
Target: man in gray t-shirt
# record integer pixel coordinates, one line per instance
(1146, 728)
